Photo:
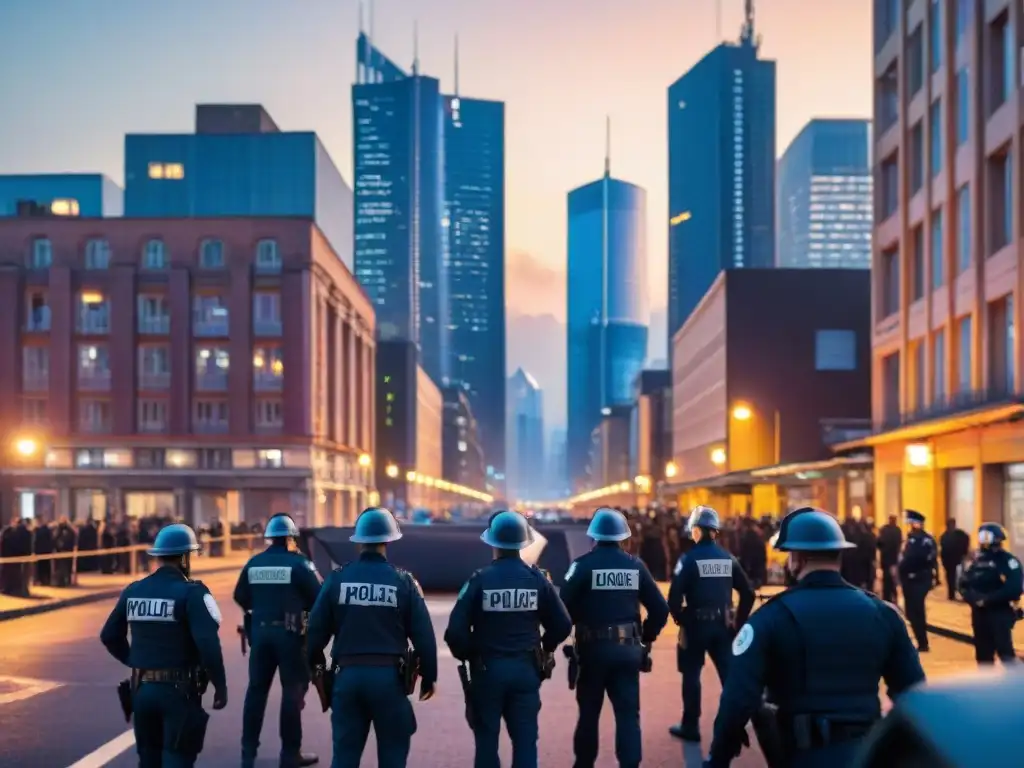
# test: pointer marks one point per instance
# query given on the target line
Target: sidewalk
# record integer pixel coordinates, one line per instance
(93, 587)
(953, 619)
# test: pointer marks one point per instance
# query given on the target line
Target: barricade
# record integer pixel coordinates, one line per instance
(444, 556)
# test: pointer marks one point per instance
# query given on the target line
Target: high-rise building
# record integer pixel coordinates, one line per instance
(948, 350)
(525, 477)
(824, 196)
(398, 176)
(238, 163)
(721, 174)
(91, 195)
(474, 152)
(608, 312)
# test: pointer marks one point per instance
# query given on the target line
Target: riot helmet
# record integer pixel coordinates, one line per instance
(508, 531)
(609, 525)
(281, 527)
(375, 525)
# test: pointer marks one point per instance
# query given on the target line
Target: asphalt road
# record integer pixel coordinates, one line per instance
(58, 706)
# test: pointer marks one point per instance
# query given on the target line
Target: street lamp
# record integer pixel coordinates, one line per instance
(743, 412)
(26, 447)
(365, 460)
(671, 470)
(392, 470)
(718, 456)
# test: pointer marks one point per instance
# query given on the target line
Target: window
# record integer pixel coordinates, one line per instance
(890, 298)
(97, 254)
(35, 369)
(210, 416)
(89, 457)
(963, 105)
(150, 458)
(33, 411)
(94, 417)
(154, 255)
(835, 350)
(916, 158)
(152, 416)
(963, 361)
(212, 365)
(938, 257)
(154, 367)
(917, 275)
(209, 316)
(211, 254)
(93, 367)
(1002, 62)
(891, 389)
(1011, 345)
(935, 28)
(1001, 377)
(1000, 205)
(887, 99)
(270, 458)
(269, 414)
(963, 229)
(266, 313)
(964, 11)
(170, 171)
(918, 375)
(37, 311)
(41, 255)
(939, 366)
(915, 61)
(214, 458)
(65, 206)
(890, 178)
(93, 313)
(887, 20)
(267, 369)
(268, 258)
(154, 315)
(935, 137)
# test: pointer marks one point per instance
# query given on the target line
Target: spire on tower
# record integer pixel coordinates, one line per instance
(608, 146)
(415, 47)
(456, 64)
(747, 34)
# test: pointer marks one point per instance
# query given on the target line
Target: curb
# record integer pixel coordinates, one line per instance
(92, 597)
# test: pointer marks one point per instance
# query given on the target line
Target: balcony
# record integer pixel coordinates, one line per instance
(212, 381)
(94, 324)
(951, 405)
(155, 325)
(152, 427)
(92, 380)
(38, 320)
(35, 381)
(152, 381)
(267, 381)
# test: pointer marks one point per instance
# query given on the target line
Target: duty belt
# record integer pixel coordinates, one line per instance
(163, 675)
(366, 660)
(278, 623)
(626, 634)
(706, 614)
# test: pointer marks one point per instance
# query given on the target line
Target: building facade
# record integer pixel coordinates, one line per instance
(608, 463)
(526, 476)
(464, 462)
(474, 152)
(947, 266)
(757, 375)
(152, 369)
(238, 163)
(650, 427)
(62, 194)
(401, 241)
(608, 311)
(824, 199)
(721, 174)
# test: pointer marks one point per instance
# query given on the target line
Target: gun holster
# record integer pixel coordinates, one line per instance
(573, 658)
(765, 722)
(467, 695)
(545, 663)
(125, 691)
(646, 662)
(323, 682)
(409, 669)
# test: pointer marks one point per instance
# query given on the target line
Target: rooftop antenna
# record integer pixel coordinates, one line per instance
(608, 146)
(415, 47)
(456, 64)
(370, 54)
(747, 34)
(362, 53)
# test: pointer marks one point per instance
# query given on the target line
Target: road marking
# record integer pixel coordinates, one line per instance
(26, 688)
(106, 753)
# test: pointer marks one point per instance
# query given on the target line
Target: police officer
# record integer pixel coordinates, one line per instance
(603, 592)
(700, 600)
(495, 626)
(276, 588)
(173, 652)
(373, 610)
(990, 583)
(819, 648)
(918, 569)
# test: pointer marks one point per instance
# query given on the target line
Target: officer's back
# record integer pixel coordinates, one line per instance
(277, 583)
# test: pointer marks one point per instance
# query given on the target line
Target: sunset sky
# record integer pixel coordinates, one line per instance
(79, 74)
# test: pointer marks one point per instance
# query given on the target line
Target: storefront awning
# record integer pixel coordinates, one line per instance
(940, 425)
(813, 470)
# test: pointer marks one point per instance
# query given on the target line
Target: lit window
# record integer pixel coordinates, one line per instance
(174, 171)
(64, 207)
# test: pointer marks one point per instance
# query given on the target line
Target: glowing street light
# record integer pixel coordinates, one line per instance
(671, 470)
(718, 456)
(742, 412)
(392, 470)
(365, 460)
(27, 447)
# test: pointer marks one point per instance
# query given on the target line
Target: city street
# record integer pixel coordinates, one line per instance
(58, 706)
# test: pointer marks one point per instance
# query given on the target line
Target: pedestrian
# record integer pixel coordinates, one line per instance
(603, 592)
(918, 571)
(954, 544)
(700, 601)
(989, 585)
(276, 589)
(372, 609)
(820, 649)
(890, 542)
(495, 627)
(165, 627)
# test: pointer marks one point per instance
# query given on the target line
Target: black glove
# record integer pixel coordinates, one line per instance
(220, 698)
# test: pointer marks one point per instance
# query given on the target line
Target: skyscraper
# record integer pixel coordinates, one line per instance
(608, 312)
(525, 475)
(824, 196)
(474, 151)
(398, 169)
(721, 177)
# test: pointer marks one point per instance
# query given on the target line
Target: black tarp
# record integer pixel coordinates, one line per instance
(442, 557)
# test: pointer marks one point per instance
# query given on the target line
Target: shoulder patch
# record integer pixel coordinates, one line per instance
(571, 571)
(311, 565)
(212, 608)
(1014, 563)
(679, 566)
(744, 639)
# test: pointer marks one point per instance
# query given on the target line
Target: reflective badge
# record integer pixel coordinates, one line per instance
(211, 606)
(271, 575)
(715, 568)
(509, 600)
(369, 595)
(679, 567)
(571, 571)
(1014, 564)
(615, 578)
(150, 609)
(743, 640)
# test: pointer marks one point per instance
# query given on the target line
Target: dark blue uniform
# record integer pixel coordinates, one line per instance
(174, 624)
(700, 599)
(495, 626)
(603, 592)
(278, 587)
(918, 567)
(990, 583)
(819, 649)
(373, 610)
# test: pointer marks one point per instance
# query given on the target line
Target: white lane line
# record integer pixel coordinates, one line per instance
(26, 688)
(109, 751)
